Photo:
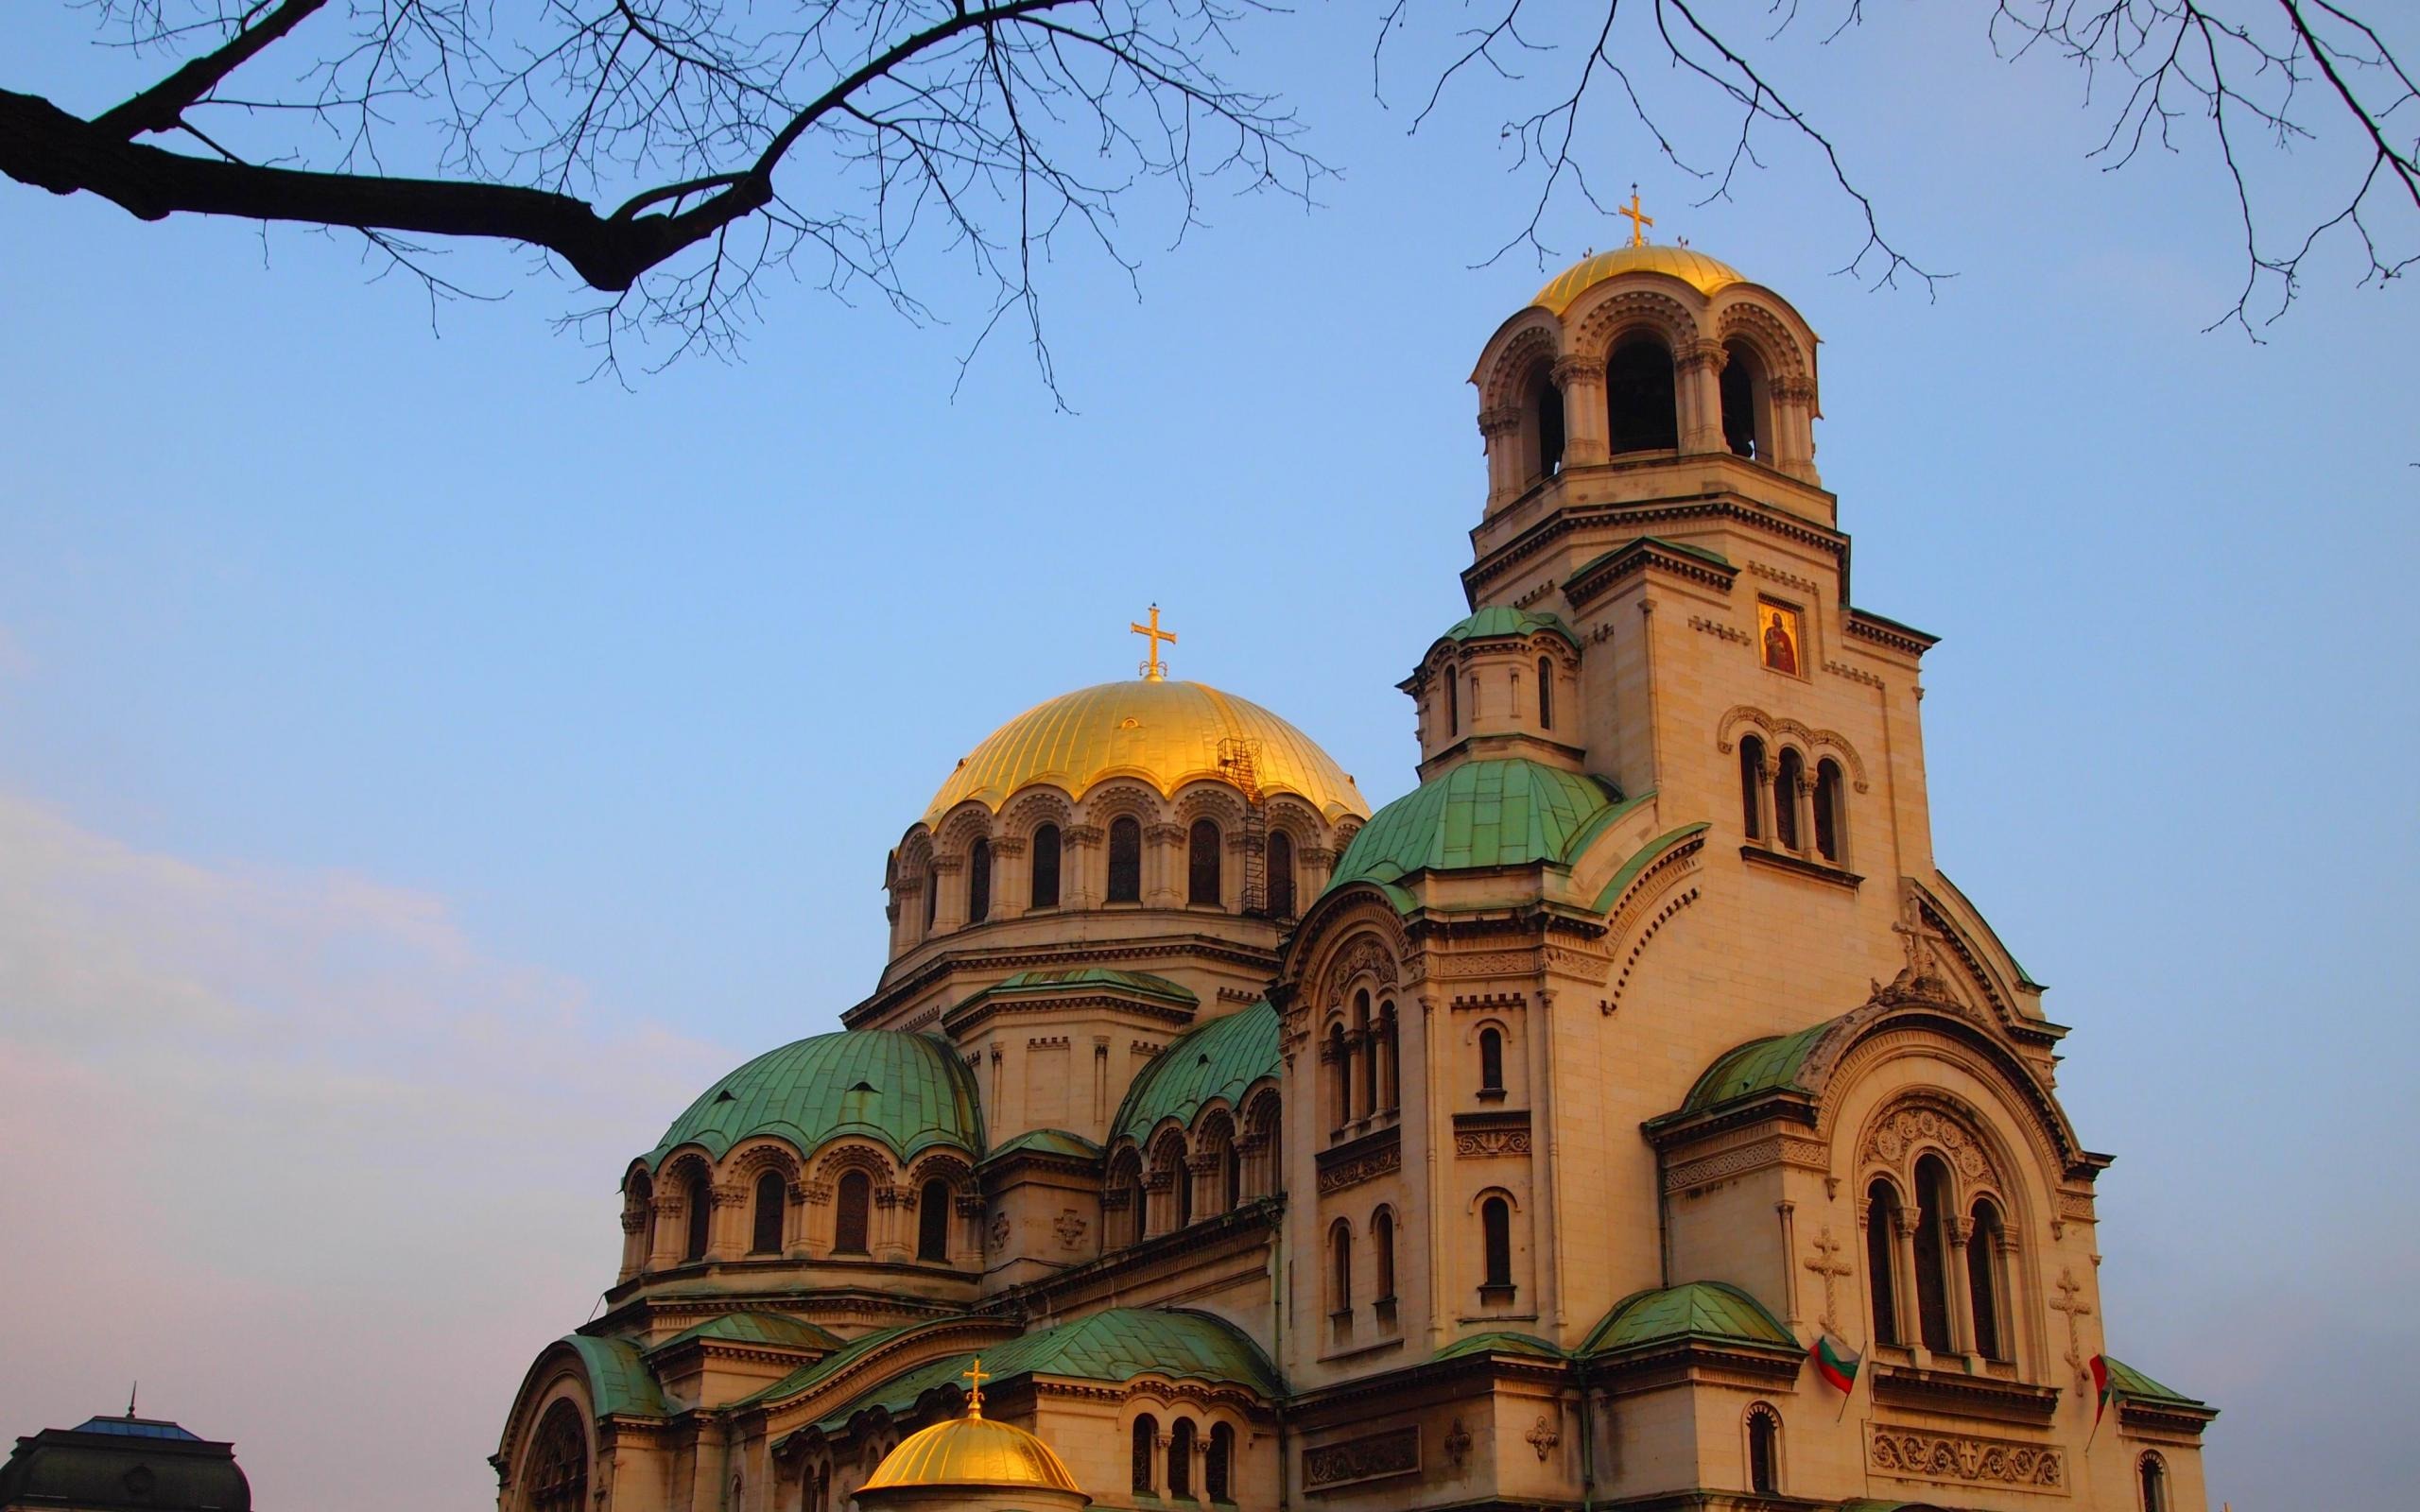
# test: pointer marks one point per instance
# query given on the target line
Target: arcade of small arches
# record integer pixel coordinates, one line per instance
(1361, 1065)
(854, 1200)
(1938, 1235)
(1790, 801)
(1123, 845)
(1189, 1457)
(1180, 1176)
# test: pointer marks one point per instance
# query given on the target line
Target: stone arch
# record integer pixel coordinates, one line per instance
(1123, 796)
(1752, 322)
(1860, 1042)
(1916, 1121)
(763, 1152)
(1621, 313)
(1507, 378)
(1778, 731)
(853, 1155)
(1211, 798)
(1033, 808)
(964, 825)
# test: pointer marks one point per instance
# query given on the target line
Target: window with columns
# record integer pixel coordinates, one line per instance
(1881, 1268)
(1281, 874)
(1933, 1217)
(1181, 1440)
(1147, 1452)
(978, 881)
(1788, 773)
(1217, 1465)
(772, 1207)
(1752, 786)
(1747, 404)
(851, 1214)
(1044, 871)
(1201, 865)
(1126, 860)
(1985, 1238)
(1365, 1051)
(932, 1221)
(698, 1192)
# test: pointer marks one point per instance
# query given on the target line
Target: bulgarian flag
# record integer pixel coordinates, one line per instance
(1834, 1362)
(2102, 1388)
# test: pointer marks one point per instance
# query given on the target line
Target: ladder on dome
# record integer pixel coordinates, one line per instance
(1239, 764)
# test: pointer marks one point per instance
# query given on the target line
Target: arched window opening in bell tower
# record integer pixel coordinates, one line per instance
(1642, 409)
(1983, 1278)
(1933, 1277)
(1281, 874)
(932, 1221)
(978, 881)
(1790, 773)
(851, 1206)
(1546, 404)
(772, 1202)
(1752, 786)
(1764, 1450)
(1045, 867)
(1201, 865)
(1882, 1295)
(1546, 693)
(1747, 406)
(1827, 809)
(1126, 860)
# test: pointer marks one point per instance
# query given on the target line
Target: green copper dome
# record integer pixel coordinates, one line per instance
(1504, 811)
(1218, 1060)
(907, 1091)
(1502, 619)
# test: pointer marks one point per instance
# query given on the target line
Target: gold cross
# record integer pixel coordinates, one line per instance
(2071, 1302)
(1639, 223)
(976, 1376)
(1154, 670)
(1828, 1263)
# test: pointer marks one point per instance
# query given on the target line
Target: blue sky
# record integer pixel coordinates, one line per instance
(420, 762)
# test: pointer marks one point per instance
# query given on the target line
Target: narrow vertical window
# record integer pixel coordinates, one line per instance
(932, 1221)
(1281, 874)
(1339, 1267)
(1182, 1176)
(1546, 404)
(1369, 1056)
(1496, 1226)
(1180, 1459)
(1764, 1450)
(1792, 769)
(1982, 1279)
(1752, 786)
(642, 1201)
(1146, 1449)
(700, 1196)
(1932, 1280)
(1391, 1072)
(1827, 809)
(850, 1205)
(1231, 1171)
(1218, 1467)
(1045, 867)
(772, 1205)
(1881, 1214)
(1490, 1061)
(978, 881)
(932, 896)
(1546, 693)
(1340, 1060)
(1382, 1250)
(1126, 860)
(2153, 1476)
(1201, 865)
(1453, 703)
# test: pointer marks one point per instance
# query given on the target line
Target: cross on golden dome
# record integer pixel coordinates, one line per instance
(976, 1375)
(1638, 220)
(1154, 670)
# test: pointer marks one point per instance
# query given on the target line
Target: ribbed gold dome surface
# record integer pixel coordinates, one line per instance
(973, 1451)
(1698, 270)
(1167, 734)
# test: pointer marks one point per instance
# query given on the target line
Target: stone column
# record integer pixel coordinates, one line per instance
(1802, 798)
(1082, 857)
(634, 1243)
(1699, 370)
(729, 1199)
(1163, 864)
(1012, 878)
(1957, 1231)
(1793, 407)
(1902, 1278)
(1506, 467)
(946, 872)
(1587, 438)
(891, 1206)
(669, 1229)
(794, 1221)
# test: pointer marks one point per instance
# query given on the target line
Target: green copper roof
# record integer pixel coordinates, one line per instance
(906, 1090)
(1143, 981)
(618, 1381)
(1500, 812)
(757, 1328)
(1057, 1142)
(1499, 1343)
(1698, 1310)
(1758, 1066)
(807, 1375)
(1612, 890)
(1502, 619)
(1211, 1060)
(1114, 1346)
(2135, 1386)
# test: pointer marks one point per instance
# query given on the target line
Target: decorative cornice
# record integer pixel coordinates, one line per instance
(1960, 1395)
(1592, 582)
(1687, 508)
(1361, 1160)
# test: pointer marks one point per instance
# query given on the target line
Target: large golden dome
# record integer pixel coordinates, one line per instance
(973, 1451)
(1167, 734)
(1694, 268)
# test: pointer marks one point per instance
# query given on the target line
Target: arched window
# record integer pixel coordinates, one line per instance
(1339, 1267)
(932, 1221)
(1546, 693)
(1340, 1060)
(1982, 1279)
(1827, 809)
(1496, 1230)
(1369, 1088)
(640, 1200)
(1382, 1251)
(1231, 1175)
(699, 1196)
(558, 1474)
(932, 897)
(1881, 1216)
(1147, 1450)
(1045, 867)
(1389, 1071)
(1641, 409)
(1490, 1061)
(1933, 1277)
(978, 881)
(1453, 703)
(1201, 864)
(1786, 780)
(1545, 403)
(1126, 860)
(1744, 404)
(1752, 785)
(1218, 1467)
(1122, 1218)
(1764, 1450)
(850, 1205)
(1180, 1459)
(772, 1205)
(2150, 1472)
(1281, 874)
(1183, 1179)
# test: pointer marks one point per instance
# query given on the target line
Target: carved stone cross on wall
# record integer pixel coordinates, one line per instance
(2070, 1301)
(1828, 1264)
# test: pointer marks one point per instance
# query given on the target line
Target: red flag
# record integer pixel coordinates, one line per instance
(2101, 1386)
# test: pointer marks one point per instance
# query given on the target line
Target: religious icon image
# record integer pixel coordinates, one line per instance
(1778, 632)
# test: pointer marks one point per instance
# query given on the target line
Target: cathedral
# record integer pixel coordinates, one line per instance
(1631, 1116)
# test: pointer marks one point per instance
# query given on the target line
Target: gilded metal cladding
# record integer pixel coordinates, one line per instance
(1165, 733)
(974, 1452)
(1695, 268)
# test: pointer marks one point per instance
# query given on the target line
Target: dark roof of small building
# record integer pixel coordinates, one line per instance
(125, 1463)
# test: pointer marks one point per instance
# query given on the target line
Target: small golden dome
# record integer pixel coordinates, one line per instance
(973, 1451)
(1167, 734)
(1694, 268)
